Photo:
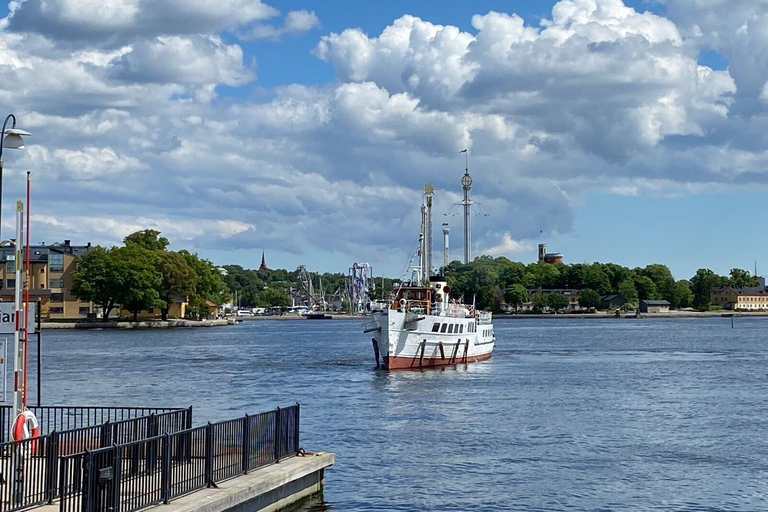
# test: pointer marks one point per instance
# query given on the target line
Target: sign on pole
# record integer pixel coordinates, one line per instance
(8, 318)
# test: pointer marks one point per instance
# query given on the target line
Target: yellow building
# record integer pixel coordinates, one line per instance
(50, 279)
(177, 310)
(732, 297)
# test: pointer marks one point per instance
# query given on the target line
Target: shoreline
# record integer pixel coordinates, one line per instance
(142, 324)
(630, 316)
(180, 324)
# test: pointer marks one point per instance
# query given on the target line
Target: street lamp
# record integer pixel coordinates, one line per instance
(9, 138)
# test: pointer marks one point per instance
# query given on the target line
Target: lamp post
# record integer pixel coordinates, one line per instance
(9, 138)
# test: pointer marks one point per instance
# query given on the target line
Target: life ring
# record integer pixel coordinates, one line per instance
(21, 428)
(403, 303)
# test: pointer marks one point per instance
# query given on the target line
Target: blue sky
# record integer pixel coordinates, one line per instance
(630, 132)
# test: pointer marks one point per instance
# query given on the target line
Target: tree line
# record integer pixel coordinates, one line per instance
(143, 274)
(494, 281)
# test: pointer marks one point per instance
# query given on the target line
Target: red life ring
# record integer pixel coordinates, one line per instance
(21, 428)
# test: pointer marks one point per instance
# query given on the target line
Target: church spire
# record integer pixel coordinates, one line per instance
(263, 265)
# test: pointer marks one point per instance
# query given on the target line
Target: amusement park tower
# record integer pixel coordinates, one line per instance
(446, 233)
(466, 184)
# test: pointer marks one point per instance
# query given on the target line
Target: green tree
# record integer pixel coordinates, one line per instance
(627, 290)
(701, 284)
(539, 302)
(139, 278)
(274, 297)
(178, 280)
(98, 279)
(149, 239)
(662, 279)
(541, 275)
(510, 272)
(557, 301)
(246, 284)
(646, 289)
(516, 295)
(589, 298)
(682, 296)
(209, 285)
(742, 278)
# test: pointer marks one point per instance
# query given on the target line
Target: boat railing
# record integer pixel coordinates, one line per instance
(416, 306)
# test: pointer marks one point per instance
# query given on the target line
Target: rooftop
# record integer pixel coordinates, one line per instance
(746, 290)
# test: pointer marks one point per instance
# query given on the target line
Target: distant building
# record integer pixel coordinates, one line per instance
(654, 306)
(571, 293)
(178, 309)
(761, 282)
(733, 297)
(549, 257)
(263, 265)
(50, 279)
(613, 301)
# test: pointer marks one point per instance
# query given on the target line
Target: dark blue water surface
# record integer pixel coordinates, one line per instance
(568, 414)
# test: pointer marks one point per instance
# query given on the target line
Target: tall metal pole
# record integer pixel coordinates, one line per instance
(18, 378)
(27, 286)
(422, 244)
(466, 184)
(446, 233)
(428, 190)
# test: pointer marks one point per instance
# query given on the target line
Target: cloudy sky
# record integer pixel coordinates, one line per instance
(633, 132)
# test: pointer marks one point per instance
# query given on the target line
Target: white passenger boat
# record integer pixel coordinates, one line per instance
(423, 328)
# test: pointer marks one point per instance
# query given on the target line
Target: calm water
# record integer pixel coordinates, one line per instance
(567, 415)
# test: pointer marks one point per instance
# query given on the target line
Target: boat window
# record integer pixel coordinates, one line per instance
(461, 329)
(444, 327)
(435, 327)
(450, 328)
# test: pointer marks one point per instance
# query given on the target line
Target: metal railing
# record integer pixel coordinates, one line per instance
(61, 418)
(131, 476)
(32, 470)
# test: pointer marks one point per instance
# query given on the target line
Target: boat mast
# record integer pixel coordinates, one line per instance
(466, 184)
(429, 190)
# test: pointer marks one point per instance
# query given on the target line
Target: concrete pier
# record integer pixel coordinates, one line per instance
(265, 490)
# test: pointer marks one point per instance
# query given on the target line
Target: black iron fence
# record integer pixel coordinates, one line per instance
(31, 471)
(61, 418)
(131, 476)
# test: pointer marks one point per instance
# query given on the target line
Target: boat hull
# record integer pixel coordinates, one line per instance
(415, 363)
(407, 341)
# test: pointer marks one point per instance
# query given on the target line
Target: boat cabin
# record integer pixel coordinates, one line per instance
(413, 298)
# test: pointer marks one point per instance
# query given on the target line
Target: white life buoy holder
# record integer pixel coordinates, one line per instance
(26, 426)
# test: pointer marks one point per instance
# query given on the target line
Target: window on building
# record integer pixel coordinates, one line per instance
(11, 283)
(58, 310)
(84, 310)
(10, 267)
(57, 297)
(56, 283)
(55, 261)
